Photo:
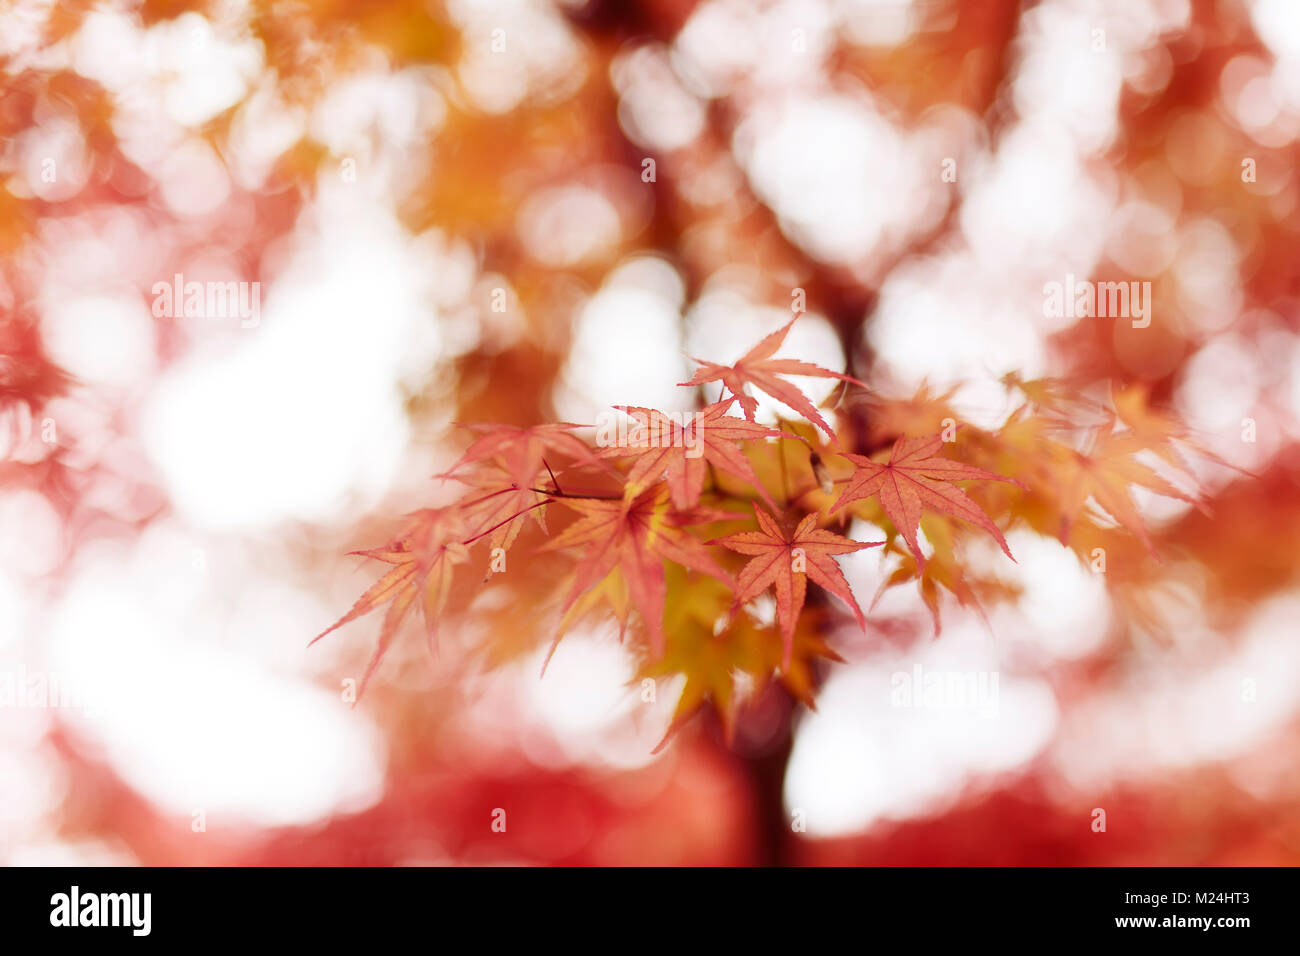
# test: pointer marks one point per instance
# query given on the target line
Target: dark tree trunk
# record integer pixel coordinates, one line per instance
(774, 837)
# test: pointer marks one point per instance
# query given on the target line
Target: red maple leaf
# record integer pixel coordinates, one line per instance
(784, 559)
(636, 535)
(758, 368)
(510, 464)
(914, 480)
(422, 559)
(522, 451)
(682, 450)
(504, 507)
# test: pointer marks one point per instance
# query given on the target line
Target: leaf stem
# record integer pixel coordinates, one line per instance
(563, 494)
(476, 501)
(554, 480)
(785, 480)
(518, 514)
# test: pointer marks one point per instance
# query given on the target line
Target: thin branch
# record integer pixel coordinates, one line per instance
(554, 480)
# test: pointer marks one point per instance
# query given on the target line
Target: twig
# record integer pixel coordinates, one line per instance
(554, 480)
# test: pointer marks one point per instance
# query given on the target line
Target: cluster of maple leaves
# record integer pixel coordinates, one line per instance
(649, 512)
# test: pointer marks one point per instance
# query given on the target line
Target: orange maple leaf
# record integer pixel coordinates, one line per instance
(1111, 462)
(636, 535)
(728, 666)
(1105, 474)
(758, 368)
(784, 559)
(682, 450)
(914, 480)
(422, 558)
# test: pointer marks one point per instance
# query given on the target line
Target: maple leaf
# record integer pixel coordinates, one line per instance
(422, 558)
(914, 480)
(1161, 431)
(636, 536)
(523, 450)
(784, 559)
(758, 368)
(682, 450)
(1053, 396)
(505, 507)
(943, 570)
(1105, 474)
(611, 592)
(1111, 465)
(510, 464)
(711, 657)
